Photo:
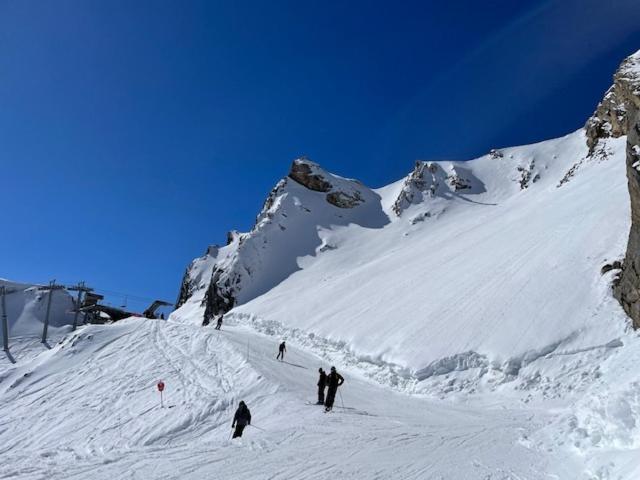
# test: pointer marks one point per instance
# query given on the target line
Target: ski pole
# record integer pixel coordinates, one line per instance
(230, 433)
(341, 401)
(257, 427)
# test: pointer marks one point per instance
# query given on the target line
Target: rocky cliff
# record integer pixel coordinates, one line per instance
(617, 115)
(251, 263)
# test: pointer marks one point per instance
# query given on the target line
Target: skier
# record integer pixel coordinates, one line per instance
(322, 383)
(281, 350)
(334, 379)
(219, 323)
(241, 419)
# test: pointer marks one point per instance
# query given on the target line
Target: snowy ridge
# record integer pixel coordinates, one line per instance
(251, 263)
(487, 284)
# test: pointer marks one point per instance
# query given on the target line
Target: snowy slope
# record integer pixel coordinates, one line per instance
(466, 304)
(487, 264)
(92, 401)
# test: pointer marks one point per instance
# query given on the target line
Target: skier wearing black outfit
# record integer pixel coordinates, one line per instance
(281, 350)
(322, 383)
(241, 419)
(334, 379)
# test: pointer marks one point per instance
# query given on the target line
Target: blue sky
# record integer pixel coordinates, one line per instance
(134, 134)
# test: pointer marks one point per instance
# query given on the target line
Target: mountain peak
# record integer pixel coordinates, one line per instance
(310, 175)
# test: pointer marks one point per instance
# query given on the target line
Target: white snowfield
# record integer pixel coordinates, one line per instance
(464, 305)
(89, 408)
(430, 278)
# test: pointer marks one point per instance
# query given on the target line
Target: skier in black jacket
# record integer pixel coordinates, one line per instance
(322, 383)
(334, 379)
(241, 419)
(281, 349)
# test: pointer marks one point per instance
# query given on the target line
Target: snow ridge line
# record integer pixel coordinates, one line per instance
(490, 373)
(385, 373)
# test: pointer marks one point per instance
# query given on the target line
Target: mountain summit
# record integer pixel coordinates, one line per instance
(459, 265)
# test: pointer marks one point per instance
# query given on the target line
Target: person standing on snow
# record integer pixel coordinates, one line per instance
(281, 350)
(241, 419)
(334, 379)
(322, 383)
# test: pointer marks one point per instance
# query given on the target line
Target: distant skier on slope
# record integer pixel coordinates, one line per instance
(334, 380)
(219, 323)
(241, 419)
(281, 349)
(322, 383)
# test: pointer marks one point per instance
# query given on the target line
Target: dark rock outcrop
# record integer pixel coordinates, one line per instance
(186, 288)
(311, 176)
(219, 298)
(610, 118)
(619, 114)
(433, 179)
(305, 173)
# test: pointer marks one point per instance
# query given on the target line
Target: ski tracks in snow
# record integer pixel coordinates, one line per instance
(94, 413)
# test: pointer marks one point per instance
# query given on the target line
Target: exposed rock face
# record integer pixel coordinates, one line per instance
(309, 174)
(610, 118)
(619, 114)
(421, 181)
(306, 173)
(253, 262)
(528, 175)
(495, 153)
(220, 296)
(186, 289)
(430, 179)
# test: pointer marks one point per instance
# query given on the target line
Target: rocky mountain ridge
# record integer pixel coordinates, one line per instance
(310, 199)
(617, 115)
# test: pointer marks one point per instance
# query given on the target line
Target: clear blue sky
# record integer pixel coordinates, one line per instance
(135, 133)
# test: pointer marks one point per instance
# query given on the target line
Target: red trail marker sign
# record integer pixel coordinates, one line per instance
(160, 386)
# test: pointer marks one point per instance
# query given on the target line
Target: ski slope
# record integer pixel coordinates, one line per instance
(482, 292)
(486, 265)
(94, 413)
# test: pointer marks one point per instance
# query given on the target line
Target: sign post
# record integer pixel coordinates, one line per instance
(5, 326)
(161, 389)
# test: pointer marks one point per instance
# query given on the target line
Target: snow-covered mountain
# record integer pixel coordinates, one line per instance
(487, 264)
(478, 311)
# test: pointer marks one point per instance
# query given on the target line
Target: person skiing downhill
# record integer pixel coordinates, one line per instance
(322, 383)
(334, 379)
(241, 419)
(281, 350)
